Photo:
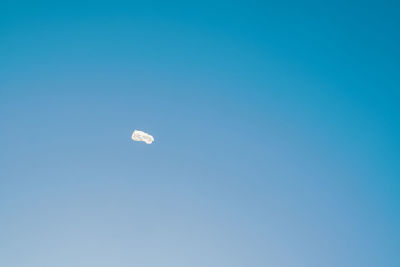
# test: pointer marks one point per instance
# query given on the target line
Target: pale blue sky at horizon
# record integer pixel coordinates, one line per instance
(276, 126)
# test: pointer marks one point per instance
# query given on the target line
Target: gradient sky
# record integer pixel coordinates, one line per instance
(276, 125)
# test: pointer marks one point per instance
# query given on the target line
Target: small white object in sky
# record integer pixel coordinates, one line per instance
(142, 136)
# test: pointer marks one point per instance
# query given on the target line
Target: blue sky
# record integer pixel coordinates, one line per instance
(277, 129)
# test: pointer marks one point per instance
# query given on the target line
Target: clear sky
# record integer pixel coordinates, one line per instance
(276, 125)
